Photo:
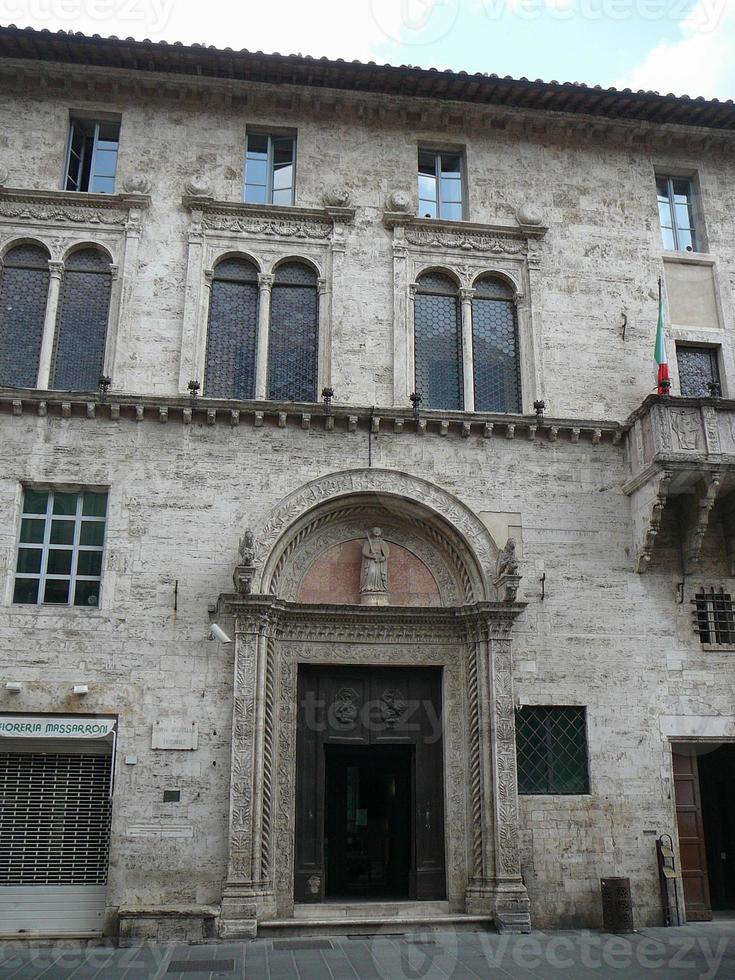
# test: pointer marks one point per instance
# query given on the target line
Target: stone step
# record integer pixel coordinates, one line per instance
(372, 910)
(366, 925)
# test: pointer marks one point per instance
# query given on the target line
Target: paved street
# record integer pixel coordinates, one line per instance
(704, 951)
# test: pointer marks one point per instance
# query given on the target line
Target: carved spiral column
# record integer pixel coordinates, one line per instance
(248, 891)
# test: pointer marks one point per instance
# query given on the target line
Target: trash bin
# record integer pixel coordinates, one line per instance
(617, 905)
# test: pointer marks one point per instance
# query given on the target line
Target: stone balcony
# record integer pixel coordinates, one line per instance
(681, 449)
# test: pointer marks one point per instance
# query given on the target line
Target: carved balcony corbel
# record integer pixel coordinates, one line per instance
(648, 519)
(696, 511)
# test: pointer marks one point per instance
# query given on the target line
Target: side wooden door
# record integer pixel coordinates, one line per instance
(692, 850)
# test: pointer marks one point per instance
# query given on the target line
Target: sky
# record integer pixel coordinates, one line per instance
(682, 46)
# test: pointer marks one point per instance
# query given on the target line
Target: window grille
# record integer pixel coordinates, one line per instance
(294, 334)
(440, 185)
(714, 617)
(552, 750)
(269, 169)
(438, 342)
(232, 331)
(60, 548)
(92, 156)
(23, 296)
(676, 214)
(495, 348)
(81, 325)
(699, 375)
(55, 814)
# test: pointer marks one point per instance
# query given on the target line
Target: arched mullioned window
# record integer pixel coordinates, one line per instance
(294, 334)
(24, 286)
(232, 331)
(438, 342)
(495, 347)
(81, 322)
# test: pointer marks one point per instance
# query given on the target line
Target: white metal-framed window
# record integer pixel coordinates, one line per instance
(91, 156)
(677, 214)
(60, 546)
(270, 169)
(441, 185)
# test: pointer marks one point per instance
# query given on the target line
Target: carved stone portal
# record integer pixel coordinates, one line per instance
(468, 637)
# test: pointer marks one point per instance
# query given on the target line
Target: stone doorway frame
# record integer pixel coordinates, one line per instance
(471, 642)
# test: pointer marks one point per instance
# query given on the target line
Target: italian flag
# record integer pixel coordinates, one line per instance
(662, 360)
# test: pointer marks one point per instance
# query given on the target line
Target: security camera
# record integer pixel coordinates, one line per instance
(217, 633)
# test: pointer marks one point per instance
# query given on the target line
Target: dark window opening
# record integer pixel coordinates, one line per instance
(81, 324)
(552, 750)
(232, 331)
(438, 343)
(699, 374)
(714, 617)
(294, 334)
(23, 295)
(495, 348)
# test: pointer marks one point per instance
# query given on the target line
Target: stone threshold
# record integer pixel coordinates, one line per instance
(368, 924)
(181, 409)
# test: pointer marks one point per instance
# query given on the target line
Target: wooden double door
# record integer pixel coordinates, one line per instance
(369, 784)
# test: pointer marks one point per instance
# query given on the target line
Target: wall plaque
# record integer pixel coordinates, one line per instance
(176, 735)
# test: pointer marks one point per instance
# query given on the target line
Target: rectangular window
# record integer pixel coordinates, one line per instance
(440, 185)
(62, 534)
(269, 169)
(552, 750)
(92, 156)
(714, 618)
(699, 375)
(676, 214)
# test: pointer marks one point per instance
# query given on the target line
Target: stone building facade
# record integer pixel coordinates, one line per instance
(217, 451)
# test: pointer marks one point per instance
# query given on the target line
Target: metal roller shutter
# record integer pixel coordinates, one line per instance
(55, 810)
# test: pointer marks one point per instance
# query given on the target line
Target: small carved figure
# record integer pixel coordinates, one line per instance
(392, 707)
(507, 560)
(375, 554)
(247, 549)
(345, 705)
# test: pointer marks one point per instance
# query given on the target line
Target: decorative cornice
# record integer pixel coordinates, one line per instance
(464, 236)
(267, 220)
(22, 205)
(343, 419)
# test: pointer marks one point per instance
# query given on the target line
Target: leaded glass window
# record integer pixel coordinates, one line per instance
(232, 331)
(440, 185)
(495, 347)
(699, 376)
(438, 342)
(62, 537)
(294, 334)
(92, 156)
(81, 324)
(269, 169)
(676, 213)
(552, 750)
(23, 295)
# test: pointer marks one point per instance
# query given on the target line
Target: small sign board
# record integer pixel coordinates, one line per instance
(175, 735)
(55, 726)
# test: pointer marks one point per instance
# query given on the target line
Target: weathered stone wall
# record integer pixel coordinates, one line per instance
(601, 257)
(180, 497)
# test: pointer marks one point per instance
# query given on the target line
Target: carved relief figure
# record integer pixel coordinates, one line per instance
(392, 707)
(247, 550)
(375, 554)
(686, 427)
(507, 560)
(345, 705)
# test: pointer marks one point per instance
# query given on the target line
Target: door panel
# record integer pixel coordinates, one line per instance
(362, 707)
(692, 850)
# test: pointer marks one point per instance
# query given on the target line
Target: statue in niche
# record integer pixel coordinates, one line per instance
(247, 549)
(507, 560)
(374, 574)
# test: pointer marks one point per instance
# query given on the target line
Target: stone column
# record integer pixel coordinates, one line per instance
(49, 324)
(248, 892)
(265, 285)
(324, 367)
(468, 359)
(511, 904)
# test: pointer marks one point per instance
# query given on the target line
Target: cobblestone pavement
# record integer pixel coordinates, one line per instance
(703, 951)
